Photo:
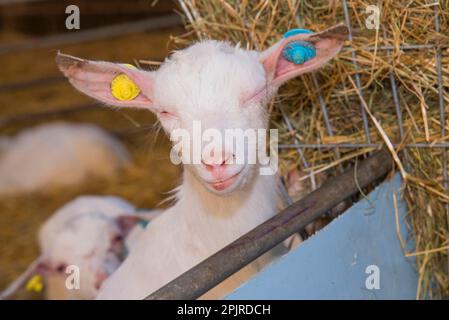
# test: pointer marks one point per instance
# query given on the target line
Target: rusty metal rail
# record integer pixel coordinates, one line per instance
(209, 273)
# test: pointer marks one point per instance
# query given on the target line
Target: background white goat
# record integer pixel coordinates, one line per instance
(58, 155)
(224, 87)
(92, 233)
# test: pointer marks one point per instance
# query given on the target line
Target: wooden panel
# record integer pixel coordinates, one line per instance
(44, 17)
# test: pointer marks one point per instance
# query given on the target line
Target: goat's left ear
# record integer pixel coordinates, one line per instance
(327, 44)
(111, 83)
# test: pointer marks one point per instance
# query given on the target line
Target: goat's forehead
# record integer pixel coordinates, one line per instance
(73, 249)
(80, 238)
(209, 70)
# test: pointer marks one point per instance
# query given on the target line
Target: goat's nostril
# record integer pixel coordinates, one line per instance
(208, 167)
(214, 166)
(228, 159)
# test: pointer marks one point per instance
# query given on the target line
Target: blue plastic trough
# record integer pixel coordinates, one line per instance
(357, 256)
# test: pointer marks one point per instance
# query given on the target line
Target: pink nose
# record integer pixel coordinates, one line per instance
(217, 164)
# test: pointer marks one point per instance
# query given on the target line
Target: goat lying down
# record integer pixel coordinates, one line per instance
(223, 87)
(58, 155)
(92, 233)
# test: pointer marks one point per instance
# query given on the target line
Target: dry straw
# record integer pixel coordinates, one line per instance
(388, 87)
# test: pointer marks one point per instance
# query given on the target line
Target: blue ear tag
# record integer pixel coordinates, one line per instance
(143, 223)
(298, 52)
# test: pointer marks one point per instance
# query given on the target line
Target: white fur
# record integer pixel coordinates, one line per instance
(80, 234)
(57, 155)
(224, 87)
(203, 82)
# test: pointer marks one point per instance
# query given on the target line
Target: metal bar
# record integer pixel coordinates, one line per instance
(394, 92)
(397, 105)
(166, 21)
(361, 145)
(298, 150)
(323, 107)
(284, 192)
(327, 122)
(440, 97)
(210, 272)
(442, 113)
(289, 201)
(357, 76)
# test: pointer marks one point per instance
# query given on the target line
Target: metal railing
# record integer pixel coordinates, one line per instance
(215, 269)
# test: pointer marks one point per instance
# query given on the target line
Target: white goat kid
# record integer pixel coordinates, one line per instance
(224, 87)
(58, 155)
(91, 233)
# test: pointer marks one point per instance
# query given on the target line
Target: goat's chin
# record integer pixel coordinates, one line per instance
(231, 185)
(221, 190)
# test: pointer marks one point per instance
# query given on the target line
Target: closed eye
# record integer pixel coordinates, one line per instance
(117, 239)
(60, 268)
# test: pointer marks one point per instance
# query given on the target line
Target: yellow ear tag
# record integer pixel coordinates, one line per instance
(35, 284)
(123, 88)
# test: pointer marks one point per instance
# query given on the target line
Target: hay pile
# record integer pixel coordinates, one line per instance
(258, 24)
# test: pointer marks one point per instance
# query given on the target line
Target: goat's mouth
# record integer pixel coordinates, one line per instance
(221, 185)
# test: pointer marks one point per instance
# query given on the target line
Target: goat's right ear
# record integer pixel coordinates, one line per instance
(326, 43)
(94, 78)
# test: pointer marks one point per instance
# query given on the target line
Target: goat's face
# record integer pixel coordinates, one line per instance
(206, 88)
(213, 86)
(88, 248)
